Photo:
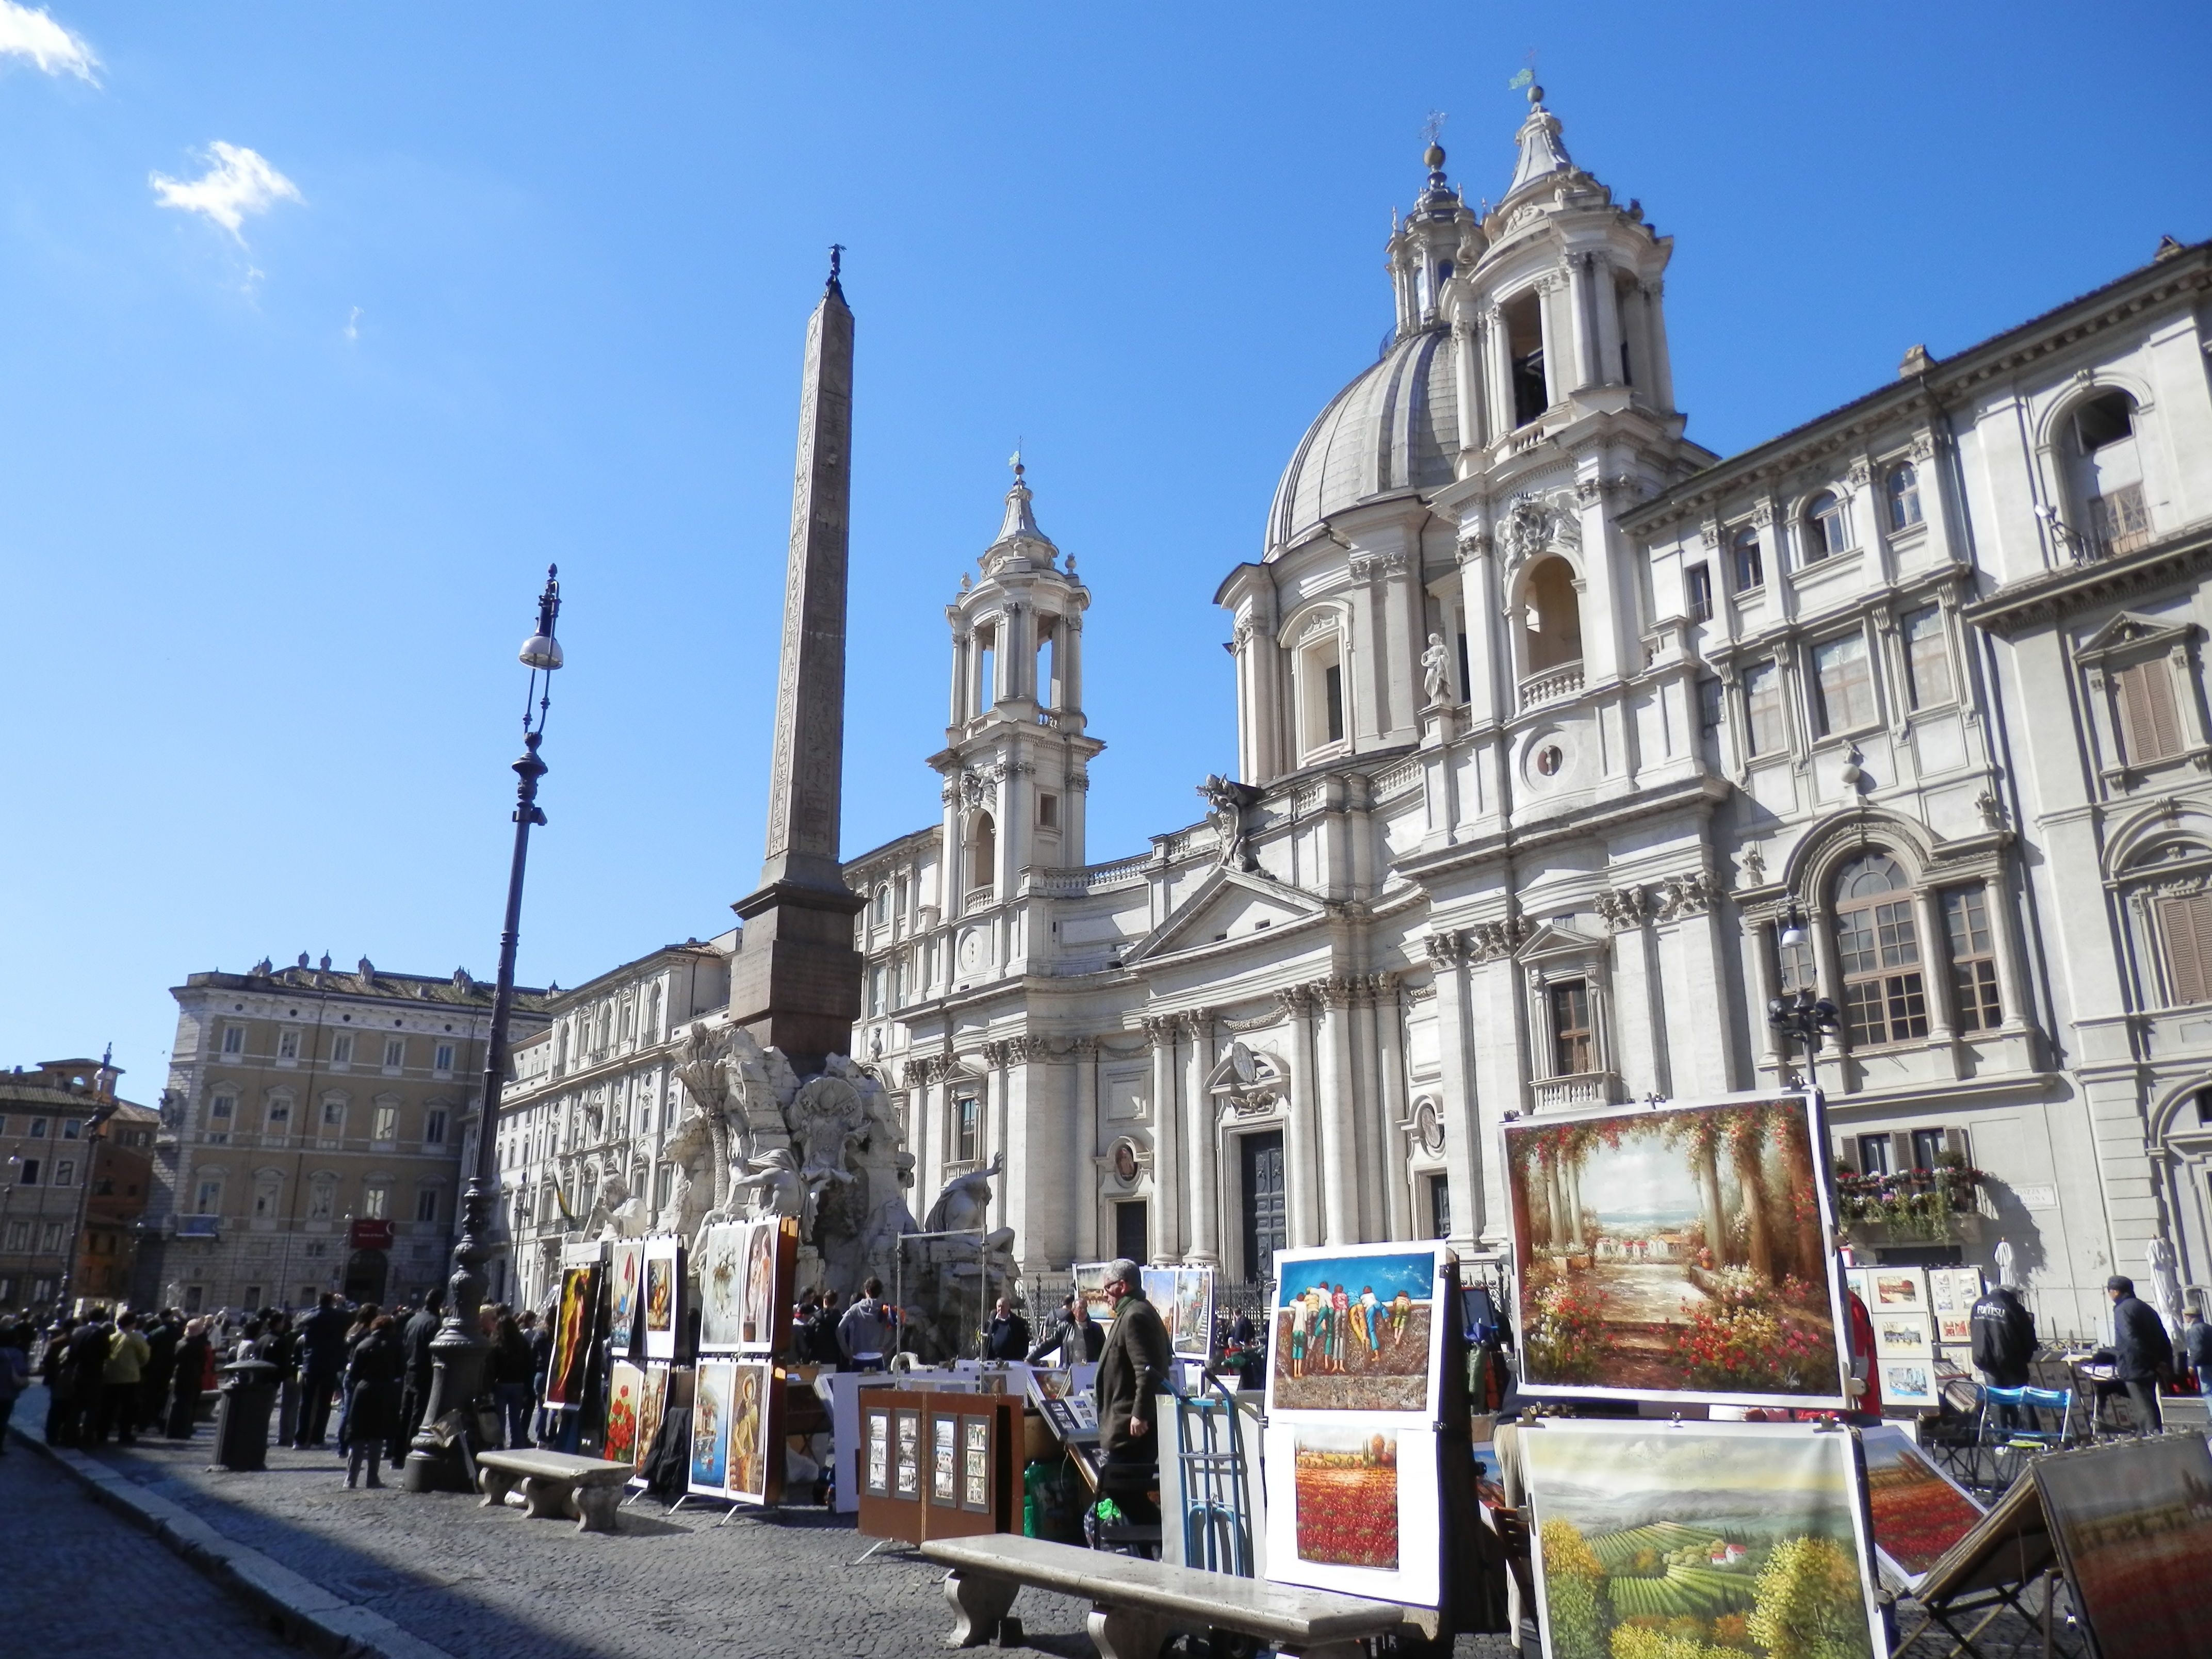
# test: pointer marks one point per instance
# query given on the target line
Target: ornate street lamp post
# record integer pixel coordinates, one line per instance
(459, 1349)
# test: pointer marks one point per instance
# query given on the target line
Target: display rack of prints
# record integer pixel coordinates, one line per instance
(575, 1322)
(2133, 1524)
(719, 1264)
(1918, 1513)
(1357, 1329)
(1741, 1538)
(1183, 1298)
(1678, 1251)
(625, 1277)
(661, 1298)
(744, 1270)
(711, 1398)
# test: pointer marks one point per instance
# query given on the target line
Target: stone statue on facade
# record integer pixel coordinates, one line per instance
(950, 1282)
(1227, 801)
(1435, 672)
(617, 1212)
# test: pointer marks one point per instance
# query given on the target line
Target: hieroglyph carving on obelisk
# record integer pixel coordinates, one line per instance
(805, 778)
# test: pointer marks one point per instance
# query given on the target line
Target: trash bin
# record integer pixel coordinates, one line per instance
(241, 1423)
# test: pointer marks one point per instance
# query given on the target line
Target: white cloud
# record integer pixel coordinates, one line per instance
(33, 34)
(238, 181)
(353, 324)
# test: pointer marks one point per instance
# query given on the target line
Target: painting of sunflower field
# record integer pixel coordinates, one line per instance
(1677, 1251)
(1737, 1541)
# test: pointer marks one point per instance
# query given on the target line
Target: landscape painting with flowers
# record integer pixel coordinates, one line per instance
(1682, 1250)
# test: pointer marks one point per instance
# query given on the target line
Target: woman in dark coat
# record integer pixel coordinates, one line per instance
(193, 1356)
(511, 1370)
(372, 1374)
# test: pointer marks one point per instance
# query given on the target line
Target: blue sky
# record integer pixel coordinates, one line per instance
(274, 500)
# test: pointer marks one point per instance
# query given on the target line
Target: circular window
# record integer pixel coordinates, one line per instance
(1549, 759)
(1428, 1128)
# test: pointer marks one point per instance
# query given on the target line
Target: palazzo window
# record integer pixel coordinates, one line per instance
(1827, 528)
(1842, 684)
(1927, 658)
(967, 1129)
(2184, 927)
(1901, 490)
(1321, 714)
(2150, 717)
(1574, 1039)
(2105, 472)
(1748, 565)
(376, 1202)
(1878, 948)
(288, 1044)
(322, 1197)
(1767, 730)
(222, 1111)
(342, 1048)
(1975, 1005)
(1697, 592)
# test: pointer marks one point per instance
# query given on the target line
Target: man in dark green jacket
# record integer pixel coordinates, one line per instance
(1133, 1368)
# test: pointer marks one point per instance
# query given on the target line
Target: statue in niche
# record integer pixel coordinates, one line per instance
(1435, 672)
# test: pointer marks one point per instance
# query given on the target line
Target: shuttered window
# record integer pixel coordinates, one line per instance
(2186, 923)
(2150, 723)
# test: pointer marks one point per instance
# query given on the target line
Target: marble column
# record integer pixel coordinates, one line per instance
(1083, 1067)
(1202, 1176)
(1302, 1210)
(1390, 1061)
(1167, 1123)
(1339, 1158)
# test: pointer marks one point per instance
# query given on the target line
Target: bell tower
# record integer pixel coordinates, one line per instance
(1016, 757)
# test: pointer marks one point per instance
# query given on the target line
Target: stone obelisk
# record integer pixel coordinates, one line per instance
(795, 982)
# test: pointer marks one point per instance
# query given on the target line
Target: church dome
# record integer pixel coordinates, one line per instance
(1395, 427)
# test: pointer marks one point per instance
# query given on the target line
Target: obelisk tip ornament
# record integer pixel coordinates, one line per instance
(796, 982)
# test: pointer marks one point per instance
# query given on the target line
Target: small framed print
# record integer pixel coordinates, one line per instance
(1954, 1329)
(944, 1460)
(905, 1468)
(1903, 1336)
(1909, 1383)
(1898, 1290)
(876, 1476)
(976, 1464)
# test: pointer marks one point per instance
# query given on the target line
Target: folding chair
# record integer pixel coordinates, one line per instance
(2035, 1437)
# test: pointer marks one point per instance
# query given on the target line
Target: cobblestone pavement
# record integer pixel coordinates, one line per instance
(83, 1579)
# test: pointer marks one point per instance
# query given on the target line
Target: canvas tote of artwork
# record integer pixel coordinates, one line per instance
(1359, 1328)
(625, 1271)
(1679, 1251)
(1918, 1513)
(662, 1297)
(2133, 1523)
(1737, 1538)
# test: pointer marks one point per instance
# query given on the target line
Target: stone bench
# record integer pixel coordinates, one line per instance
(556, 1483)
(1136, 1606)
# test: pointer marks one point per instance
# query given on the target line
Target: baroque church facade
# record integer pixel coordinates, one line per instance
(1565, 747)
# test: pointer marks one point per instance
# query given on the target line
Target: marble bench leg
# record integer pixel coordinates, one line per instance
(1130, 1632)
(495, 1485)
(596, 1507)
(545, 1499)
(979, 1602)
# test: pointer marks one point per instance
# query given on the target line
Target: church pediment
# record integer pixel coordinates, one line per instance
(1553, 940)
(1230, 904)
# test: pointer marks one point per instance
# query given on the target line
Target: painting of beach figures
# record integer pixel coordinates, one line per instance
(1355, 1330)
(1737, 1541)
(1678, 1251)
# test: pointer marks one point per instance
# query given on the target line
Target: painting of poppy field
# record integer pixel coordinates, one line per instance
(1347, 1498)
(1678, 1251)
(1917, 1513)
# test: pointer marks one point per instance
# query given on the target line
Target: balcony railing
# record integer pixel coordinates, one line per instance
(1553, 1094)
(1552, 685)
(198, 1226)
(2118, 522)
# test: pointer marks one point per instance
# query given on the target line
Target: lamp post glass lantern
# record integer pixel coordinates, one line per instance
(458, 1351)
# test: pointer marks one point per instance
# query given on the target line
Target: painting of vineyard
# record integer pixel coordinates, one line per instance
(1918, 1513)
(1687, 1543)
(2134, 1524)
(1677, 1251)
(1347, 1498)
